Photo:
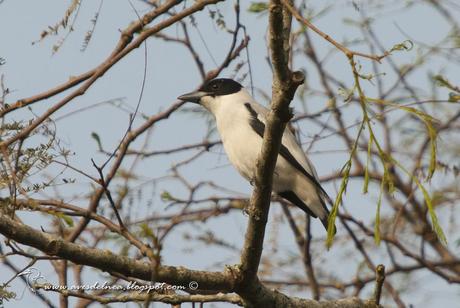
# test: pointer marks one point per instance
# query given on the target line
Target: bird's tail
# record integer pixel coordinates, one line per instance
(316, 208)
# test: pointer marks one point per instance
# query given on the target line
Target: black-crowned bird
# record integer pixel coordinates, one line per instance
(241, 123)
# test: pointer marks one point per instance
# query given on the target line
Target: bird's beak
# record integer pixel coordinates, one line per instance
(193, 97)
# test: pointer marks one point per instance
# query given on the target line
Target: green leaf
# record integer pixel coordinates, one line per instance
(366, 170)
(96, 137)
(377, 215)
(67, 219)
(146, 230)
(428, 121)
(429, 204)
(432, 134)
(454, 98)
(5, 294)
(343, 187)
(444, 82)
(166, 196)
(258, 7)
(407, 45)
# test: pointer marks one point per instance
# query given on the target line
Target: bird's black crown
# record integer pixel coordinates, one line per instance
(221, 86)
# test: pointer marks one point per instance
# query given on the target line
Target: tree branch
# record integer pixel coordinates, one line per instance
(110, 262)
(349, 53)
(173, 299)
(285, 84)
(179, 276)
(125, 45)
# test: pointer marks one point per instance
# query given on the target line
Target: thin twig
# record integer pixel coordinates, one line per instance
(108, 194)
(379, 279)
(349, 53)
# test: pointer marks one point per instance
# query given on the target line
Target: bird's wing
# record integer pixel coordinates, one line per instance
(289, 150)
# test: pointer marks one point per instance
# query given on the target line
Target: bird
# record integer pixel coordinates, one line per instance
(241, 121)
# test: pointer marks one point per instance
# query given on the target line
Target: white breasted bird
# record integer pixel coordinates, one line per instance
(241, 123)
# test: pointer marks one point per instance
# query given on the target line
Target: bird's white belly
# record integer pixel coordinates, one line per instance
(243, 146)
